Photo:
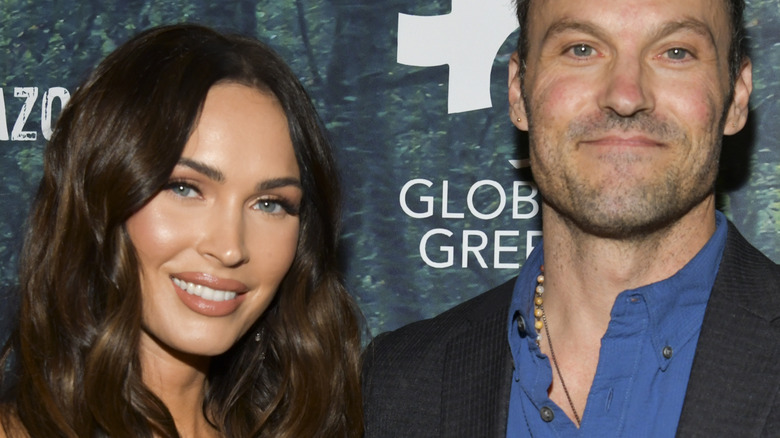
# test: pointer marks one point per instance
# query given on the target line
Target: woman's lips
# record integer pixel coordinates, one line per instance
(209, 295)
(212, 281)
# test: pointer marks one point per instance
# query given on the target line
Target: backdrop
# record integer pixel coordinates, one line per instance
(439, 203)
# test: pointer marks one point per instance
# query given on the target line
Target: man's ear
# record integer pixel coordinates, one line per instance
(738, 109)
(517, 110)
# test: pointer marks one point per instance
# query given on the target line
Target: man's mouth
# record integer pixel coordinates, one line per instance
(624, 141)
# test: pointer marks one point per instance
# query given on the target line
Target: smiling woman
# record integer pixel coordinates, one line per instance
(179, 271)
(215, 243)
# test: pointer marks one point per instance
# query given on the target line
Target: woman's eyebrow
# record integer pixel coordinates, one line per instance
(275, 183)
(215, 174)
(200, 167)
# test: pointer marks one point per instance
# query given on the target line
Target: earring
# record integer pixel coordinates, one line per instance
(259, 335)
(518, 119)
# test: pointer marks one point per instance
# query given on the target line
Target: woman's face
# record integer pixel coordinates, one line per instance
(215, 243)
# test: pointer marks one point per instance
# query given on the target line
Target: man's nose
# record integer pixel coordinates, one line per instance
(626, 87)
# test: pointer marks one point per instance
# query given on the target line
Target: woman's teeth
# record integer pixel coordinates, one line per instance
(204, 292)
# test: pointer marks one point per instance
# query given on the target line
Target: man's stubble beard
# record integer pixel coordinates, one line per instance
(641, 206)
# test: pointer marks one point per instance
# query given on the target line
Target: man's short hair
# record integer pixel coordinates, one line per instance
(737, 49)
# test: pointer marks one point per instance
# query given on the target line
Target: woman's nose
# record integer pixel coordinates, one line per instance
(224, 238)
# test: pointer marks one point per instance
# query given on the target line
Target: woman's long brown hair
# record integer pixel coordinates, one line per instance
(71, 367)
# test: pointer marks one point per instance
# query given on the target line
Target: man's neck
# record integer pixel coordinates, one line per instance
(585, 273)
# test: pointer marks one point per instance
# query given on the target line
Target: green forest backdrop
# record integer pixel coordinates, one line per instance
(389, 124)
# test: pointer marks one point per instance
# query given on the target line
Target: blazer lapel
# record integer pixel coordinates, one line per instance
(729, 393)
(477, 376)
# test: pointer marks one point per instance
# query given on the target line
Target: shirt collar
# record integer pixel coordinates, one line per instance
(675, 305)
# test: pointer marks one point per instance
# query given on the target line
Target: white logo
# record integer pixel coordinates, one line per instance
(29, 95)
(467, 39)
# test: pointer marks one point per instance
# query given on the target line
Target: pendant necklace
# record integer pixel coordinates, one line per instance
(541, 323)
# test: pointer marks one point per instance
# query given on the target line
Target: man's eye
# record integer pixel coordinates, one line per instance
(581, 50)
(677, 54)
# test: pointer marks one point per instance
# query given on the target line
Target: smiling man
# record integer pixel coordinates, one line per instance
(643, 312)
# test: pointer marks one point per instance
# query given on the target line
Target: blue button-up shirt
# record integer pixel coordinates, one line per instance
(644, 362)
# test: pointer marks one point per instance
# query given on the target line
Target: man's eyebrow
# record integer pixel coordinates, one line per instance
(689, 25)
(568, 25)
(275, 183)
(210, 171)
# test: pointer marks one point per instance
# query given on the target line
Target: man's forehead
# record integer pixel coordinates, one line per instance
(640, 14)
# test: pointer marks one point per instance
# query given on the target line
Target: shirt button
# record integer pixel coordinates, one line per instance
(521, 325)
(667, 352)
(547, 414)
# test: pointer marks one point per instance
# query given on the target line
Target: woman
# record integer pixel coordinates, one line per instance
(179, 270)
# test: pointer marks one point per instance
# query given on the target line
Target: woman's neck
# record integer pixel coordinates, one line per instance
(179, 381)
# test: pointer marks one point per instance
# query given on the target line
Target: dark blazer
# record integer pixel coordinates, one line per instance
(450, 376)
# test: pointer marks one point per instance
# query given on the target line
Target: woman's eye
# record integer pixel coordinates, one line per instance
(269, 206)
(677, 54)
(581, 50)
(183, 190)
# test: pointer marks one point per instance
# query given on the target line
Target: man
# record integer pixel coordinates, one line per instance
(644, 312)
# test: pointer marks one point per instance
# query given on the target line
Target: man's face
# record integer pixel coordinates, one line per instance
(625, 102)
